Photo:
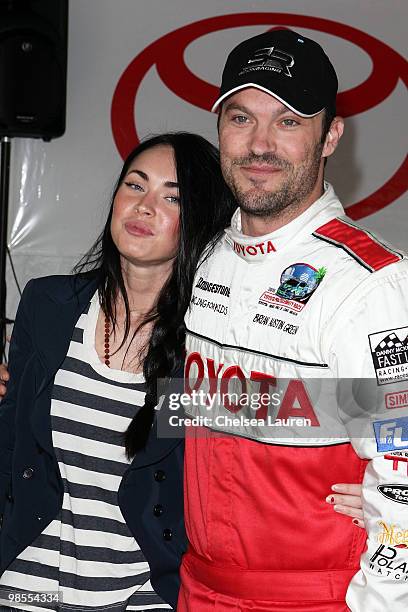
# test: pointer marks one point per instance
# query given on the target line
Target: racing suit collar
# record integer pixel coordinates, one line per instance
(256, 248)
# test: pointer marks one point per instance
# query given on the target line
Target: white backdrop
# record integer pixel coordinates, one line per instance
(60, 190)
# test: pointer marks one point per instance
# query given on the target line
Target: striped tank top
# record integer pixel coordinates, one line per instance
(87, 554)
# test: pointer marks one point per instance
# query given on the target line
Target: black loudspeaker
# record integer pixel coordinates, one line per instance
(33, 68)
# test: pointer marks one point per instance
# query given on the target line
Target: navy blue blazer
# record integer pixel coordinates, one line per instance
(151, 491)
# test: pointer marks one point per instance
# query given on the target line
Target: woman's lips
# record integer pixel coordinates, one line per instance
(138, 229)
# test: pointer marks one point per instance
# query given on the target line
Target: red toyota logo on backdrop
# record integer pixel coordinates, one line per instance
(167, 54)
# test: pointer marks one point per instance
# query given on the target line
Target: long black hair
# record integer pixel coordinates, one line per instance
(206, 206)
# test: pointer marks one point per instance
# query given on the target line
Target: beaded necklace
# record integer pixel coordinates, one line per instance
(107, 348)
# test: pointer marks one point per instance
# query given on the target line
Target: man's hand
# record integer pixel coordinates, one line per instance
(4, 377)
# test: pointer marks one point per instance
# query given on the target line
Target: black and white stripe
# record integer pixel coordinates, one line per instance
(88, 552)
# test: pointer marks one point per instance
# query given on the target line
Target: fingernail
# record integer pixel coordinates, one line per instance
(355, 521)
(330, 499)
(336, 487)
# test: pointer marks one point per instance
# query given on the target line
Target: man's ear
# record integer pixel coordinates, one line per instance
(333, 136)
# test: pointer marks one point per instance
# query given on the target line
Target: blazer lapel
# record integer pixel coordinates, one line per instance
(55, 317)
(55, 321)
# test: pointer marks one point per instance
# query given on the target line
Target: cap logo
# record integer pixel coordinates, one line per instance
(270, 58)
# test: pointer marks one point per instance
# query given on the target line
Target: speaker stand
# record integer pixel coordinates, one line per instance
(4, 204)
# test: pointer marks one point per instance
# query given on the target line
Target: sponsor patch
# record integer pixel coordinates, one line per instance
(395, 492)
(206, 285)
(392, 535)
(399, 461)
(203, 303)
(399, 399)
(389, 351)
(391, 434)
(298, 282)
(252, 250)
(387, 561)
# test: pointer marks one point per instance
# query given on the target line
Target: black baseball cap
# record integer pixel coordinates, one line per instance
(292, 68)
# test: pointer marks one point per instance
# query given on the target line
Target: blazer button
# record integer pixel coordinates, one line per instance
(9, 497)
(159, 475)
(28, 473)
(158, 510)
(167, 534)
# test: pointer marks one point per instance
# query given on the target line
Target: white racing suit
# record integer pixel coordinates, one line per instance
(315, 315)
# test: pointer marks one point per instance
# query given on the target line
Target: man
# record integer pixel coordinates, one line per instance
(297, 300)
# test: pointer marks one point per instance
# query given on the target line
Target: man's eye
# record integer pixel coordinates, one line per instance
(239, 119)
(133, 185)
(290, 122)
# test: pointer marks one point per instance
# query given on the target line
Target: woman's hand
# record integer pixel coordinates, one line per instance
(4, 377)
(346, 499)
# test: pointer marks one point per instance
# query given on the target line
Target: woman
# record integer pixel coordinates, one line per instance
(80, 497)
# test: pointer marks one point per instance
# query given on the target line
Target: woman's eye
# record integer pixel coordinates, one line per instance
(173, 199)
(134, 186)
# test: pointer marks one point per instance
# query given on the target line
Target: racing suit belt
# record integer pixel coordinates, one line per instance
(294, 585)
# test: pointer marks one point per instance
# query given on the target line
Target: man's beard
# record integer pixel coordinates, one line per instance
(296, 187)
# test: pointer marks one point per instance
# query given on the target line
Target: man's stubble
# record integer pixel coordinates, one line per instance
(297, 185)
